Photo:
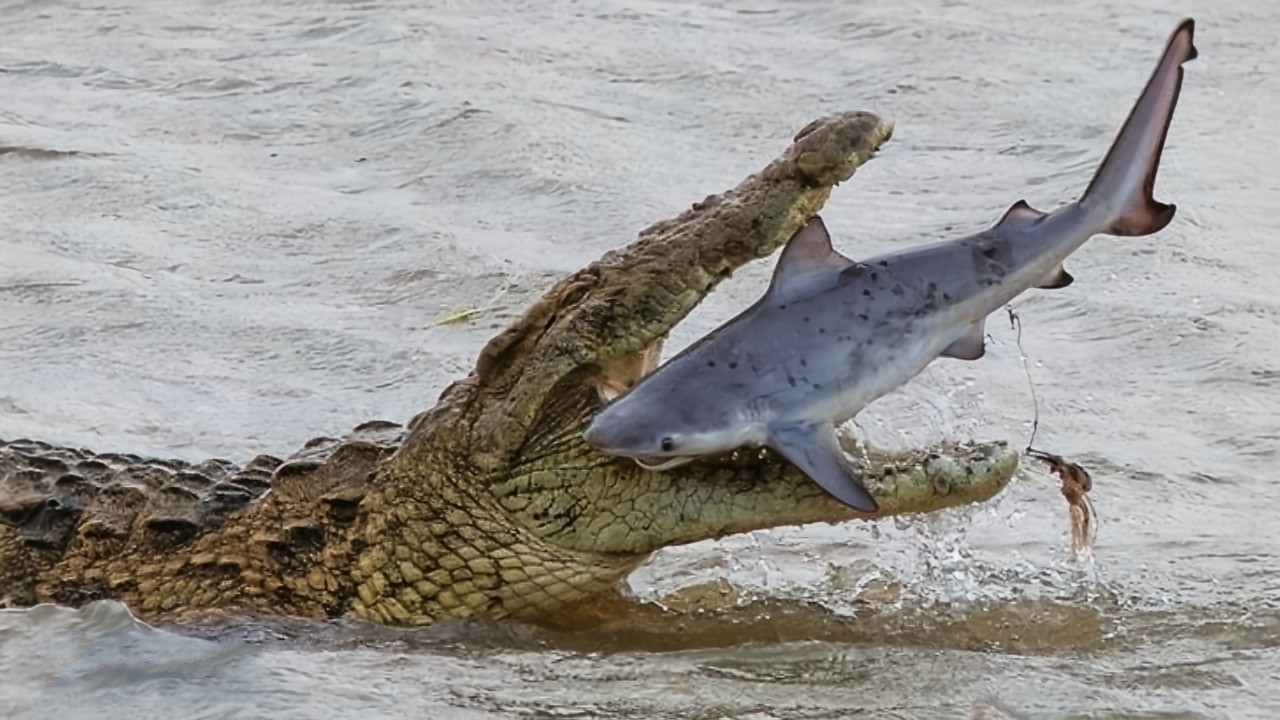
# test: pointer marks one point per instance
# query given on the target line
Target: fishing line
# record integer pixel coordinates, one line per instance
(1076, 481)
(1015, 323)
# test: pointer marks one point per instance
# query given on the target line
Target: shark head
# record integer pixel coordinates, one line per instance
(662, 435)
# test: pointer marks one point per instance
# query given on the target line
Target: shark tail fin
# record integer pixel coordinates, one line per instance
(1123, 188)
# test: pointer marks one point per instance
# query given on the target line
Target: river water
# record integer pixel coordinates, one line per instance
(232, 226)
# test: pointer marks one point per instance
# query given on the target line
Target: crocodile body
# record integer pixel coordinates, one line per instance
(488, 505)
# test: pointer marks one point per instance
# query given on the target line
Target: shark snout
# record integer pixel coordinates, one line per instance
(603, 433)
(621, 429)
(594, 436)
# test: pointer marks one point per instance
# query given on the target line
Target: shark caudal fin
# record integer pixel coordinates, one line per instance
(1125, 181)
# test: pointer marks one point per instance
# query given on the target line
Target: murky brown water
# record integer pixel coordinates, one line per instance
(231, 226)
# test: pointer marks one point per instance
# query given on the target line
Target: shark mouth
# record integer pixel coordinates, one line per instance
(656, 462)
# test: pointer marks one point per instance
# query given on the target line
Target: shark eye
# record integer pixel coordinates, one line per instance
(668, 444)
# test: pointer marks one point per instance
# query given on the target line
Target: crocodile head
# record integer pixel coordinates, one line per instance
(515, 423)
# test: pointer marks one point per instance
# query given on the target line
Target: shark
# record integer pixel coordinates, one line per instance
(831, 335)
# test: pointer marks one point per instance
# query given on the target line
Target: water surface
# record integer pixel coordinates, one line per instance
(232, 226)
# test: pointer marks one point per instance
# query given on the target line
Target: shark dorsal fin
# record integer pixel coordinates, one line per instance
(808, 264)
(1020, 213)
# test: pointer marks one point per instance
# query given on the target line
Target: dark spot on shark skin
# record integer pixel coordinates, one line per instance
(817, 386)
(867, 293)
(898, 290)
(791, 381)
(755, 369)
(806, 319)
(946, 297)
(989, 253)
(711, 363)
(863, 317)
(875, 277)
(822, 331)
(733, 366)
(804, 363)
(883, 263)
(782, 307)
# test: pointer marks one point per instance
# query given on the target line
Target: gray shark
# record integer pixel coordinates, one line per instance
(831, 335)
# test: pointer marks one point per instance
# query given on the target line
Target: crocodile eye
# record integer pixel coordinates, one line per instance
(668, 444)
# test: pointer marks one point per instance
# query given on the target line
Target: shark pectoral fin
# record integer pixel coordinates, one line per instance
(808, 264)
(972, 345)
(816, 452)
(1056, 279)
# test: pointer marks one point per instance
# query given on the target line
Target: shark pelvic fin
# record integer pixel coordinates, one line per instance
(972, 345)
(1057, 279)
(816, 452)
(808, 264)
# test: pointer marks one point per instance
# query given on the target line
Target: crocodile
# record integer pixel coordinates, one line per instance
(489, 505)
